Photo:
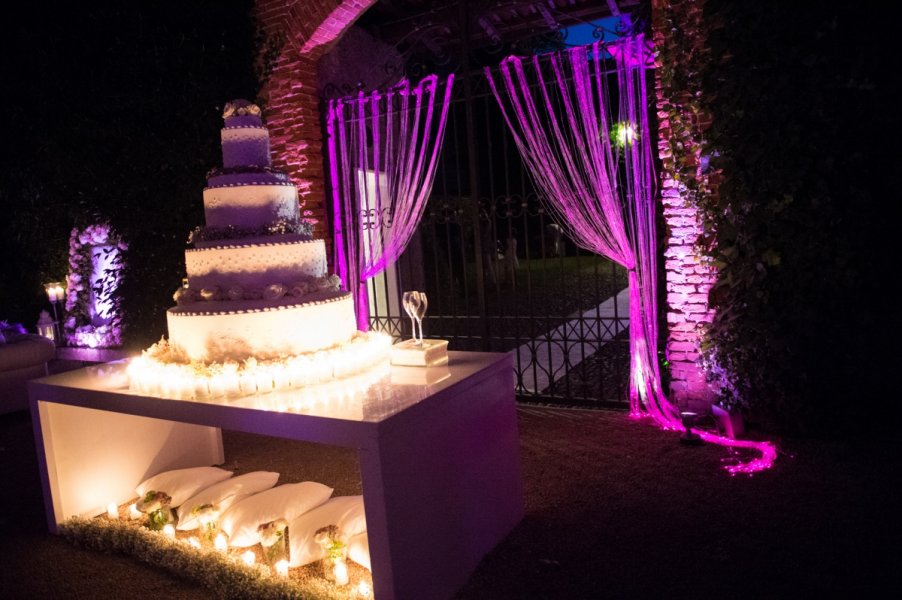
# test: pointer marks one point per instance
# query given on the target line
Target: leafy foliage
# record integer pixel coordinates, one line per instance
(799, 108)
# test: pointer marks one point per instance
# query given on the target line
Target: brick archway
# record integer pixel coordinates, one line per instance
(297, 33)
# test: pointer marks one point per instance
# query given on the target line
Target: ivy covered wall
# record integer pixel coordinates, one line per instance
(680, 41)
(796, 212)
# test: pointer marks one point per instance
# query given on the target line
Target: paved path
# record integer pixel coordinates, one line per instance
(579, 338)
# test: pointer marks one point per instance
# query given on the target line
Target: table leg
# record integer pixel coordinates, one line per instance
(441, 488)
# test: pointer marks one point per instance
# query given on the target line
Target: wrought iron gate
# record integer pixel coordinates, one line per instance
(501, 276)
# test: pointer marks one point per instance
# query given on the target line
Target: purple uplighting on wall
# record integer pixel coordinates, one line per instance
(383, 152)
(562, 128)
(95, 261)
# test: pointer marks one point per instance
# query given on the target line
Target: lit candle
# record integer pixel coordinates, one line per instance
(112, 510)
(133, 511)
(363, 589)
(247, 382)
(217, 386)
(340, 570)
(282, 568)
(249, 558)
(280, 378)
(169, 531)
(201, 388)
(220, 543)
(55, 291)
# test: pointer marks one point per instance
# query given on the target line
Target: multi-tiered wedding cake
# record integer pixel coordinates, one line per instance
(258, 310)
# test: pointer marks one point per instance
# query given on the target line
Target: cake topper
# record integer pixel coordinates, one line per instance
(240, 108)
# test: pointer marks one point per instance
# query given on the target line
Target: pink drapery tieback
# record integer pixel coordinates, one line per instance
(395, 142)
(562, 128)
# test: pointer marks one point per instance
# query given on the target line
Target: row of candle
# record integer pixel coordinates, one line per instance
(196, 382)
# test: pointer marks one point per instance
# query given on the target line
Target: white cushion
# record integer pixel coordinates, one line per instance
(359, 550)
(224, 494)
(345, 512)
(286, 501)
(181, 484)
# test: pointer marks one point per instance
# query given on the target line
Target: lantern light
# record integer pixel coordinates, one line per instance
(56, 291)
(624, 134)
(46, 326)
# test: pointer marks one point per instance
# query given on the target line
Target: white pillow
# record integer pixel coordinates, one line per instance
(345, 512)
(286, 501)
(359, 550)
(181, 484)
(224, 494)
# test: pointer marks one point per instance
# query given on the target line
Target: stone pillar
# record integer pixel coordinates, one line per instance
(679, 37)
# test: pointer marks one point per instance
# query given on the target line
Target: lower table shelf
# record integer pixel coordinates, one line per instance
(439, 457)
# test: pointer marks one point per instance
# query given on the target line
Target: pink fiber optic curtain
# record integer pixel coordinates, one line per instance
(383, 152)
(562, 120)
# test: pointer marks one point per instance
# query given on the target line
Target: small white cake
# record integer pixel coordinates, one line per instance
(430, 353)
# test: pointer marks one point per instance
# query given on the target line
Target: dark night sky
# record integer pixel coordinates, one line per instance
(113, 110)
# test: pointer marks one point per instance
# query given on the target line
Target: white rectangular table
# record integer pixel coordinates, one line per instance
(438, 451)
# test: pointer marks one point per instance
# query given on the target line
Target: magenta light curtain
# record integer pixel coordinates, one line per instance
(383, 152)
(562, 124)
(565, 127)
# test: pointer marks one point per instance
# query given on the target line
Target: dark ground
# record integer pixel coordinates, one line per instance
(615, 509)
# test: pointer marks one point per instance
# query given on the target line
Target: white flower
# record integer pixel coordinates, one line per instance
(300, 289)
(206, 513)
(210, 293)
(184, 296)
(273, 291)
(271, 532)
(152, 501)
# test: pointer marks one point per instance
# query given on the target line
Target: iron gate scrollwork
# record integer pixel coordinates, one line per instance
(560, 310)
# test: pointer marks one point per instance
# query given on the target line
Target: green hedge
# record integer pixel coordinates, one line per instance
(801, 137)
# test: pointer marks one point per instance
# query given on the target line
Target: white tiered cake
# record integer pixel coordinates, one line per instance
(258, 303)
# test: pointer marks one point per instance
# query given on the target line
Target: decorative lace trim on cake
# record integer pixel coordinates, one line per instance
(281, 183)
(245, 170)
(262, 244)
(235, 295)
(278, 227)
(163, 370)
(244, 127)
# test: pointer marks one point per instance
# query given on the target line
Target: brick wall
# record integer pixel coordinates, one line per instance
(689, 275)
(298, 32)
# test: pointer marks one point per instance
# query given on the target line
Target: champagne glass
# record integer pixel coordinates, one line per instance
(408, 301)
(421, 312)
